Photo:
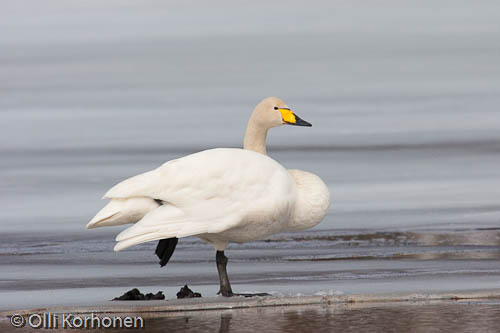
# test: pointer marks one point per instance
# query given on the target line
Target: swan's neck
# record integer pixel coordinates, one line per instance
(255, 137)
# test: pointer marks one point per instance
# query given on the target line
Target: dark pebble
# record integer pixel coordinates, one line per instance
(158, 295)
(136, 295)
(185, 292)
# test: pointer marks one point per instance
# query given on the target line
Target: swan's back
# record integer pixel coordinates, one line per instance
(224, 173)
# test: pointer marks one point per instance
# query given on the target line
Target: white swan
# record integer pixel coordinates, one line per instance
(219, 195)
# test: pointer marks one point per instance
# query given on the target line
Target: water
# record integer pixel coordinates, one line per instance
(403, 98)
(81, 269)
(437, 317)
(470, 316)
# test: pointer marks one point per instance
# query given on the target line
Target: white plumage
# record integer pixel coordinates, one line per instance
(219, 194)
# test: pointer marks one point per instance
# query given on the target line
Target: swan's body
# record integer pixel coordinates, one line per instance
(219, 195)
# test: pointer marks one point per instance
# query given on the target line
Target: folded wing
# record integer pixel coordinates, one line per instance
(208, 192)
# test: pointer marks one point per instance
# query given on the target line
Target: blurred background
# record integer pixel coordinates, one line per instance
(404, 99)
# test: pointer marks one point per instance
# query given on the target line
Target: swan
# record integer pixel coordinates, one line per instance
(220, 195)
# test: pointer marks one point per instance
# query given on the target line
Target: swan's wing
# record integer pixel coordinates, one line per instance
(168, 221)
(133, 185)
(207, 192)
(211, 174)
(179, 174)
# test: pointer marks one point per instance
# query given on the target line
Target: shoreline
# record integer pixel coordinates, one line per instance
(219, 303)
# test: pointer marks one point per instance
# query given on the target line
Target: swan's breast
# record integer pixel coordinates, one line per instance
(313, 200)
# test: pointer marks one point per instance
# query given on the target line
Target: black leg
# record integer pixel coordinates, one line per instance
(165, 249)
(225, 286)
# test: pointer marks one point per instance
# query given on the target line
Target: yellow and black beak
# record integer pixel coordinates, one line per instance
(291, 118)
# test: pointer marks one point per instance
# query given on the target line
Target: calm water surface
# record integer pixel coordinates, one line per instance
(443, 317)
(473, 316)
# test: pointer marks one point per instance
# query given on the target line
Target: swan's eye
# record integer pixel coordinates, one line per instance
(276, 108)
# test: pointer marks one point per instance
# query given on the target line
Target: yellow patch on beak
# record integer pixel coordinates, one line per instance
(287, 116)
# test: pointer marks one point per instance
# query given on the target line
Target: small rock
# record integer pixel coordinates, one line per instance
(151, 296)
(185, 292)
(136, 295)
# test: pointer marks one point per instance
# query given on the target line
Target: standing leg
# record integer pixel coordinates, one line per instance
(225, 286)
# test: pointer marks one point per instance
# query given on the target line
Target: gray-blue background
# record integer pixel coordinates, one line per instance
(404, 97)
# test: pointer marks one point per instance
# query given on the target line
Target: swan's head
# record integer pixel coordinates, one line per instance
(273, 112)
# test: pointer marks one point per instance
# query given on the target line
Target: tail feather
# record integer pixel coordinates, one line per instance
(166, 221)
(123, 211)
(137, 240)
